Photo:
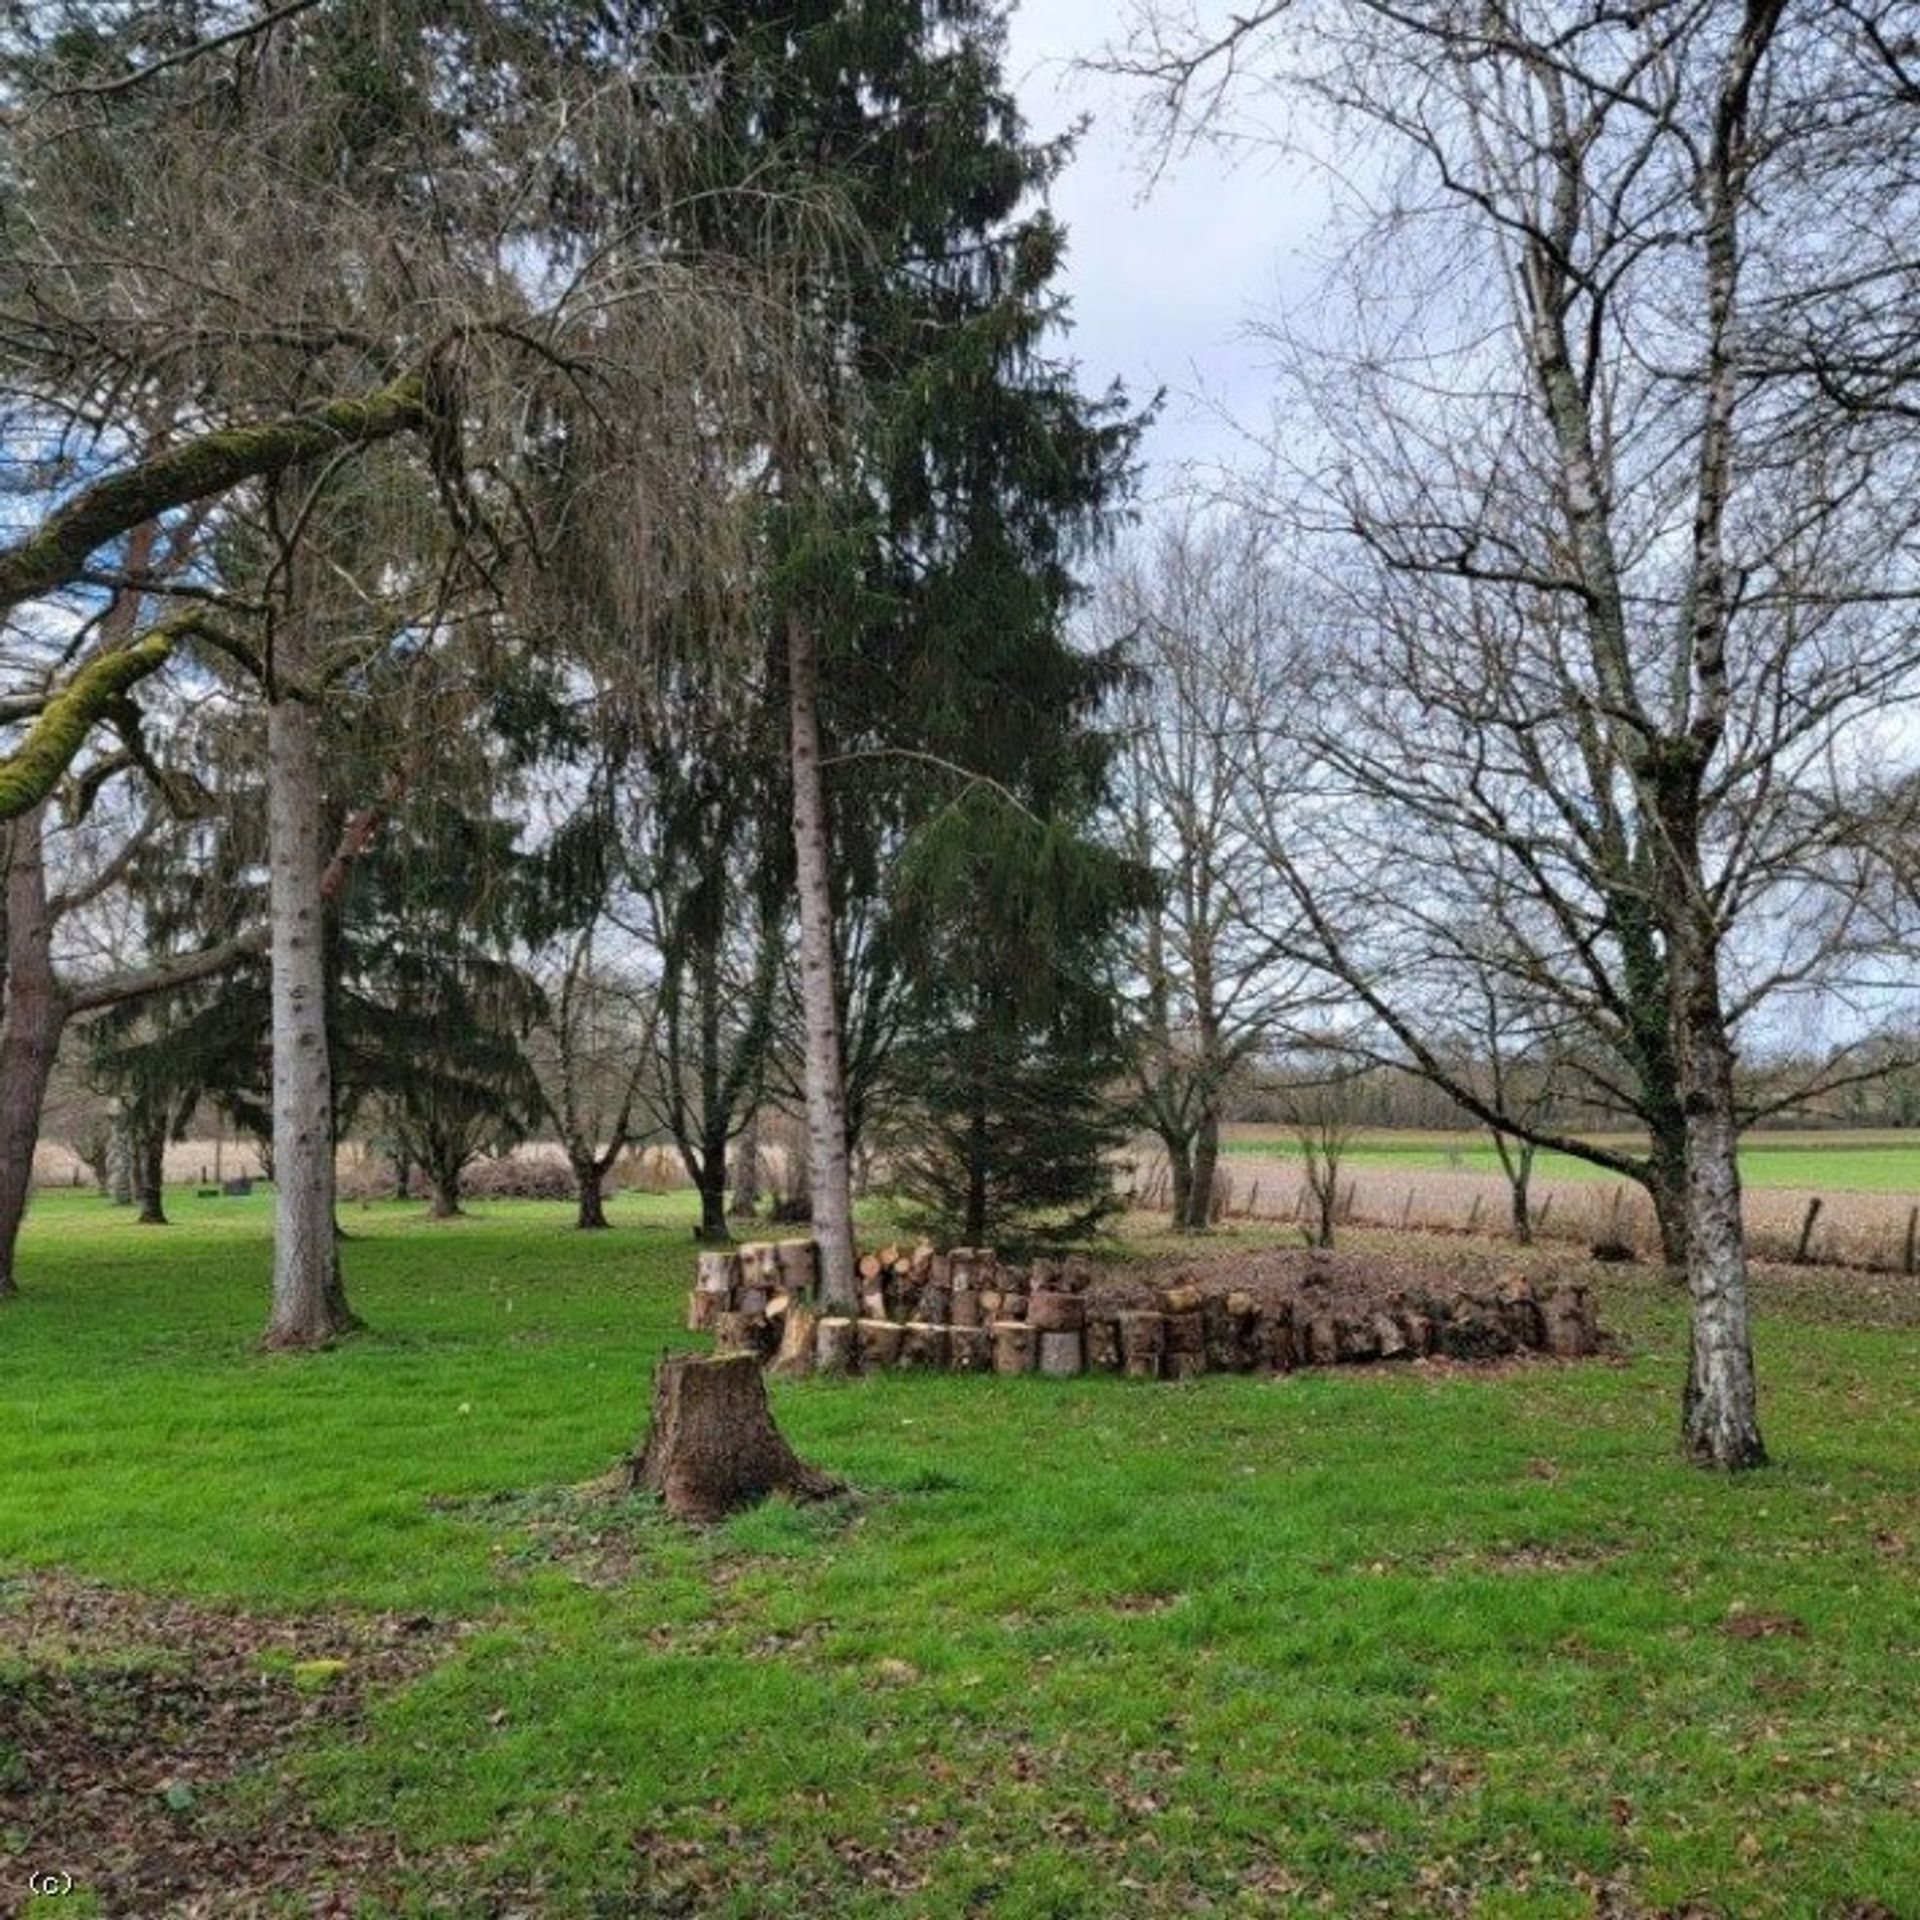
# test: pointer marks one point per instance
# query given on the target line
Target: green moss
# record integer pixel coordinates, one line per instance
(35, 767)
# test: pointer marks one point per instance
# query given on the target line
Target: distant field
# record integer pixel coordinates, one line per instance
(1851, 1162)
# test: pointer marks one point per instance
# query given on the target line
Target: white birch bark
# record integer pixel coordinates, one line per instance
(829, 1177)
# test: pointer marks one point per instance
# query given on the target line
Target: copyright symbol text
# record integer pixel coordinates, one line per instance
(50, 1885)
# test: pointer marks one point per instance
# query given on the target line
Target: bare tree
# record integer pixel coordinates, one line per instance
(1212, 981)
(1613, 609)
(1322, 1118)
(589, 1054)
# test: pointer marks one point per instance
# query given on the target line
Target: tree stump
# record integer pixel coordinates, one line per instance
(711, 1445)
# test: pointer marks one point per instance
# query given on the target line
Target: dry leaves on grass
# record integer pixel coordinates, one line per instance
(126, 1721)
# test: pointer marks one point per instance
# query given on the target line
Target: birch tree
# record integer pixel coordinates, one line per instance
(1614, 603)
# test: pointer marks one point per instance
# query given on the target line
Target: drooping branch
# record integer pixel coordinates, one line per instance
(54, 554)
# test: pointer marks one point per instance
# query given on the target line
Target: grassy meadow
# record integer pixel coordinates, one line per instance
(1376, 1641)
(1854, 1161)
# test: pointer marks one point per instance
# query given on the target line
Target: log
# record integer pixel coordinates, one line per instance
(751, 1300)
(1222, 1334)
(870, 1266)
(922, 1344)
(1062, 1354)
(1143, 1340)
(963, 1307)
(1355, 1340)
(879, 1344)
(795, 1360)
(1571, 1329)
(1103, 1343)
(1273, 1338)
(1012, 1347)
(799, 1265)
(712, 1447)
(1322, 1341)
(1186, 1333)
(1390, 1339)
(1182, 1299)
(717, 1273)
(873, 1303)
(833, 1346)
(736, 1332)
(970, 1349)
(1520, 1313)
(990, 1304)
(703, 1309)
(1179, 1365)
(1056, 1312)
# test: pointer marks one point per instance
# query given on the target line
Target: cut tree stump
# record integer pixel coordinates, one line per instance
(711, 1445)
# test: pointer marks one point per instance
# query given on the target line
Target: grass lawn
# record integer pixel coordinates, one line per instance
(1372, 1641)
(1865, 1162)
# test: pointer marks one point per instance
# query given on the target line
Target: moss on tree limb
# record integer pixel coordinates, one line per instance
(98, 692)
(55, 553)
(35, 767)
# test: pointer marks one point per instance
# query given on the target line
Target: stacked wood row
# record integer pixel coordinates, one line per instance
(967, 1311)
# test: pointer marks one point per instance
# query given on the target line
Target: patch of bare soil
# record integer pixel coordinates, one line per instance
(139, 1741)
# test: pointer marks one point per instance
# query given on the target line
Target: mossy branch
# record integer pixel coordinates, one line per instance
(57, 551)
(97, 693)
(36, 766)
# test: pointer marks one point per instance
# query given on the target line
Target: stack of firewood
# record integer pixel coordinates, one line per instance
(969, 1312)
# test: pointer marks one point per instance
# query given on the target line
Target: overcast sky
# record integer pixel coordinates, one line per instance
(1163, 274)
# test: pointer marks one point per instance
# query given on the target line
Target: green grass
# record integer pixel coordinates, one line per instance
(1355, 1642)
(1824, 1163)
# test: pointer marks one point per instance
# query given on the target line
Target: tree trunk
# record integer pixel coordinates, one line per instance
(1520, 1182)
(149, 1180)
(746, 1170)
(1668, 1189)
(1179, 1178)
(120, 1161)
(712, 1446)
(1720, 1410)
(588, 1179)
(974, 1232)
(309, 1303)
(710, 1181)
(445, 1183)
(1206, 1165)
(30, 1038)
(829, 1184)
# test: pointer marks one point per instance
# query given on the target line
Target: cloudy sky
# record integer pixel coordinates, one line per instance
(1163, 273)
